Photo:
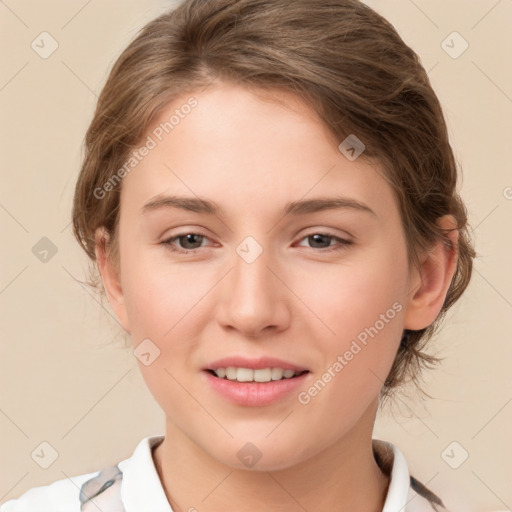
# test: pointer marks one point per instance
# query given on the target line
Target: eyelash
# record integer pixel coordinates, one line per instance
(342, 243)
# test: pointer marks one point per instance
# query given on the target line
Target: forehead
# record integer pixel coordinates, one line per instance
(248, 147)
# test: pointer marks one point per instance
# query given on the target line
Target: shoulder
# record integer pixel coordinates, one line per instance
(107, 490)
(59, 496)
(405, 492)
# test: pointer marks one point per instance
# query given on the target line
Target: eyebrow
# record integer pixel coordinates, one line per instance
(304, 206)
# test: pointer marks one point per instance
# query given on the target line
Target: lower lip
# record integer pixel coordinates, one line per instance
(254, 394)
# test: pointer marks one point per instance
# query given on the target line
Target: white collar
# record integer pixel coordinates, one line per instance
(399, 478)
(142, 489)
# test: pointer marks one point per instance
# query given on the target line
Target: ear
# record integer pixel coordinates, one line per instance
(431, 282)
(111, 277)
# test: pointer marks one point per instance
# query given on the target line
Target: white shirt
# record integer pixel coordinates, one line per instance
(133, 485)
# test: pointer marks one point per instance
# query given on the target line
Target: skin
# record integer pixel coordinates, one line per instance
(252, 152)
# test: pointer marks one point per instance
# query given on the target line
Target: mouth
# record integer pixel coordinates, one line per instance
(242, 374)
(254, 382)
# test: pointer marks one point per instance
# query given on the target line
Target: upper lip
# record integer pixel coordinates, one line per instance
(255, 364)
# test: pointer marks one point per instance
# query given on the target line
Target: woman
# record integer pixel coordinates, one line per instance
(269, 195)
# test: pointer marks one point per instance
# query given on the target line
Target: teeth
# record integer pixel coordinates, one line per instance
(244, 375)
(262, 375)
(250, 375)
(277, 373)
(221, 372)
(230, 373)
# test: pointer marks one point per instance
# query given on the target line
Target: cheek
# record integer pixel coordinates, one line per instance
(164, 303)
(347, 299)
(159, 295)
(361, 312)
(161, 303)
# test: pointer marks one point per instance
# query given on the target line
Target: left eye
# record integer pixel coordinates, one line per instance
(191, 241)
(321, 237)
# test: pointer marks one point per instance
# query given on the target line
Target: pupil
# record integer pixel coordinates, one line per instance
(314, 237)
(189, 238)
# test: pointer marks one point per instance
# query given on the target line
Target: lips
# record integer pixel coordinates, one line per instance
(254, 364)
(245, 382)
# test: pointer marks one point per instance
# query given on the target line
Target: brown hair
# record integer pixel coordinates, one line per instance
(343, 59)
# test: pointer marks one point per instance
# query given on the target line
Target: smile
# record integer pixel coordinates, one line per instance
(258, 375)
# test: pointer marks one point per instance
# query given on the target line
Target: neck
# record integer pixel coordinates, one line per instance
(344, 476)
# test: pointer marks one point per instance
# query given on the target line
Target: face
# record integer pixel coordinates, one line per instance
(268, 271)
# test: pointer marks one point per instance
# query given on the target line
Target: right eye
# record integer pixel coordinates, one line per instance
(187, 239)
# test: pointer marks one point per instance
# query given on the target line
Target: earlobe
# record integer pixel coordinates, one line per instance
(111, 277)
(433, 279)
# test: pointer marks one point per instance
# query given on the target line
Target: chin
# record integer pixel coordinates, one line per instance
(261, 453)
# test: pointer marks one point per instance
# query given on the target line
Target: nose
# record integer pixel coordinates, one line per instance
(254, 300)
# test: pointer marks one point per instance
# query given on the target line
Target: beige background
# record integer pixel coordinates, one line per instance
(64, 376)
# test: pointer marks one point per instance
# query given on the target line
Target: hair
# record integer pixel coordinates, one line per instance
(340, 57)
